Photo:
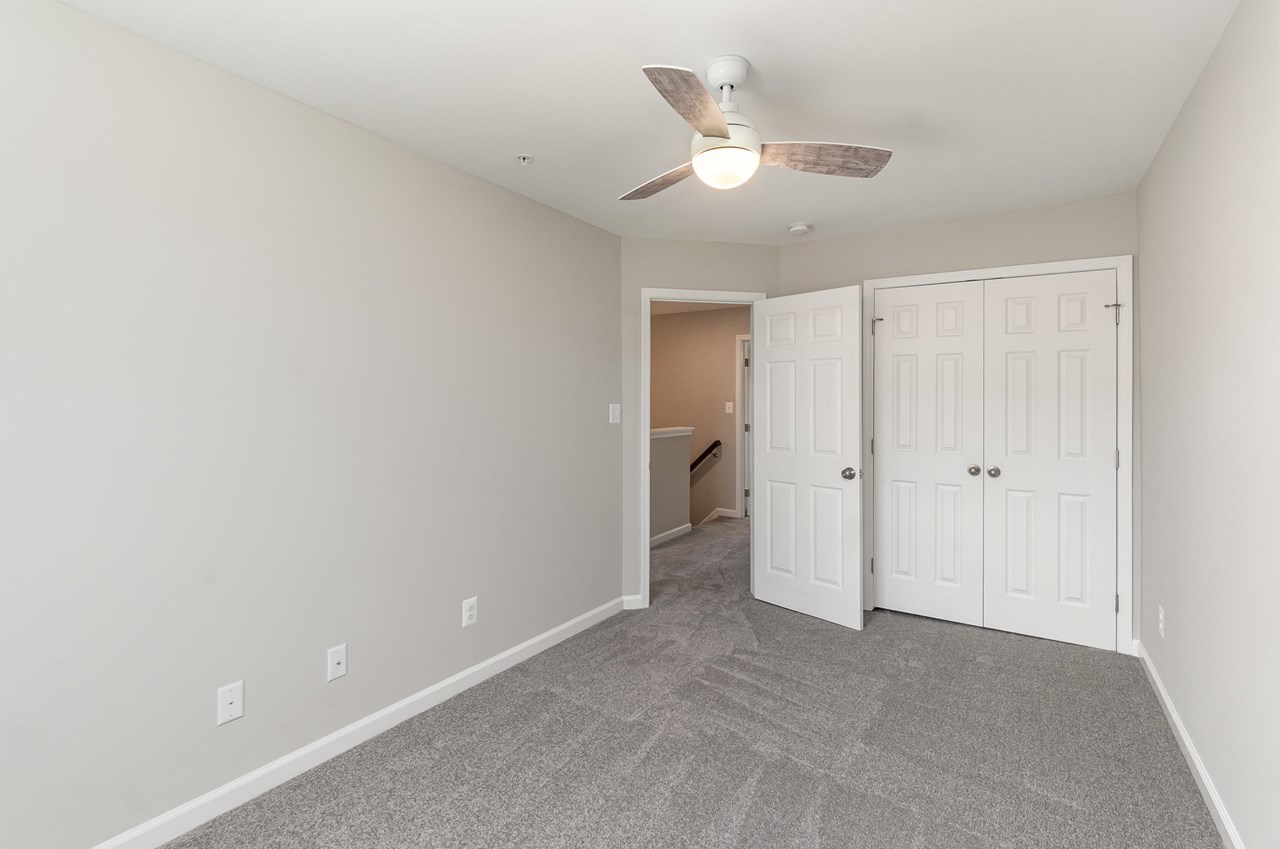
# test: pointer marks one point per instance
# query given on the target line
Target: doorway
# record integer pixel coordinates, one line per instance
(648, 297)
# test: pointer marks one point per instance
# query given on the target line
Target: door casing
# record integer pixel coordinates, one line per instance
(1127, 543)
(647, 297)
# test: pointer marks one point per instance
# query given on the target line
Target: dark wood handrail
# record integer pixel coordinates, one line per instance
(711, 449)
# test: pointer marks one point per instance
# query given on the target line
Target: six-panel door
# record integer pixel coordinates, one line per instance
(928, 433)
(807, 446)
(1051, 433)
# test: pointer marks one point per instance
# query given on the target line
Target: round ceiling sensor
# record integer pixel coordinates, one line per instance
(800, 228)
(524, 159)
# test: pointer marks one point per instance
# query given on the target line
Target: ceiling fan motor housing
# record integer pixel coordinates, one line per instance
(742, 133)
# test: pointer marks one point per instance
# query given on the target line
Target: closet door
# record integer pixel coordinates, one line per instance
(1050, 458)
(927, 519)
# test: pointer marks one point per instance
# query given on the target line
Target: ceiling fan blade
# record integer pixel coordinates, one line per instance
(837, 160)
(657, 184)
(688, 96)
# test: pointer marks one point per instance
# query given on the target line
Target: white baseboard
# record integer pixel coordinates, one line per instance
(179, 820)
(632, 602)
(719, 512)
(671, 534)
(1226, 828)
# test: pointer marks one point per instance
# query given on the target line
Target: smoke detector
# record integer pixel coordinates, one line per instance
(800, 228)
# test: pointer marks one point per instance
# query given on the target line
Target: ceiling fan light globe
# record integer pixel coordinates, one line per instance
(726, 167)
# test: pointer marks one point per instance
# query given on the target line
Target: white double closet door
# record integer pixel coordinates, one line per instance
(995, 437)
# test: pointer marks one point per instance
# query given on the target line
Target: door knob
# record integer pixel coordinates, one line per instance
(848, 473)
(975, 470)
(994, 471)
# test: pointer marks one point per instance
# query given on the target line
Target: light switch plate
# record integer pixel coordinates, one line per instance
(615, 414)
(728, 406)
(337, 662)
(230, 702)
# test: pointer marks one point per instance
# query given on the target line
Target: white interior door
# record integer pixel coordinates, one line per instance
(927, 522)
(1050, 457)
(806, 392)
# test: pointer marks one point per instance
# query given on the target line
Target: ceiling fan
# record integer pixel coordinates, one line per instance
(726, 148)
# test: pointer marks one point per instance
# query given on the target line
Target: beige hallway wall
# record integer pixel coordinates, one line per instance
(694, 372)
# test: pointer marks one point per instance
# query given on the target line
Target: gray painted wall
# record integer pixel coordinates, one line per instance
(1104, 226)
(240, 349)
(1209, 213)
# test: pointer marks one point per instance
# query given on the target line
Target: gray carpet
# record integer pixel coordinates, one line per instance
(714, 720)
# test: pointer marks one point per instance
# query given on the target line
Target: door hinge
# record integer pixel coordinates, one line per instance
(746, 493)
(1115, 307)
(1117, 459)
(873, 445)
(1117, 602)
(746, 427)
(873, 565)
(746, 362)
(873, 325)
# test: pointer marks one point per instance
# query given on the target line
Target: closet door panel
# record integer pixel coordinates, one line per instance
(1050, 454)
(928, 430)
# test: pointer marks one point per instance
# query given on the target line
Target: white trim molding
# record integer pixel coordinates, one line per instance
(721, 512)
(666, 536)
(1126, 576)
(647, 297)
(632, 602)
(165, 827)
(1226, 828)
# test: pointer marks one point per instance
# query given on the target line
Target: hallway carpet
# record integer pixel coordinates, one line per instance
(714, 720)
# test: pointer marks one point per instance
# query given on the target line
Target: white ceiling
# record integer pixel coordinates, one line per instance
(989, 105)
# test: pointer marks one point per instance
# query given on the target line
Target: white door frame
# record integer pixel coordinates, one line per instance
(741, 411)
(647, 297)
(1126, 578)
